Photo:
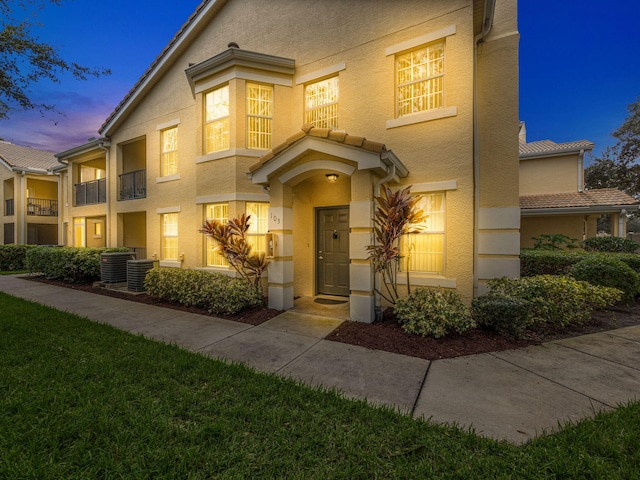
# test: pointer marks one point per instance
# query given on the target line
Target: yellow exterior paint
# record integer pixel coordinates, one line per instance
(549, 175)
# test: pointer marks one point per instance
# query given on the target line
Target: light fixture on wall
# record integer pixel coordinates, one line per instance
(332, 177)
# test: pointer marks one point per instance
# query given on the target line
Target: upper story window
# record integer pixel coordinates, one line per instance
(321, 103)
(420, 79)
(219, 212)
(424, 251)
(169, 145)
(217, 120)
(259, 115)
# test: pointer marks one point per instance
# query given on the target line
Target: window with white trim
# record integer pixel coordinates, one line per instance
(216, 118)
(219, 212)
(424, 251)
(169, 222)
(169, 156)
(420, 79)
(258, 225)
(259, 115)
(321, 103)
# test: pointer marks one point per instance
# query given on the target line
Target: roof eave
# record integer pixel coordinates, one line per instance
(526, 212)
(555, 153)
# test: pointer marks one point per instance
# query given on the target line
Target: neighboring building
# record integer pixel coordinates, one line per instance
(29, 195)
(552, 194)
(421, 93)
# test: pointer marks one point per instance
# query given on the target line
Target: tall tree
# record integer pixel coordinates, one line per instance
(24, 59)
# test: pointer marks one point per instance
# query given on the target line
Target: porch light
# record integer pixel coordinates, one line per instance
(332, 177)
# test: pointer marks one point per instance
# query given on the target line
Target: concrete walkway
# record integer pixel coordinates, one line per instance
(511, 395)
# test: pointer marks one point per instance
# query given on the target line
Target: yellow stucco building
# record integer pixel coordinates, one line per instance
(297, 113)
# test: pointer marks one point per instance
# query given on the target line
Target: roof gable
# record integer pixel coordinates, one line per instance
(16, 157)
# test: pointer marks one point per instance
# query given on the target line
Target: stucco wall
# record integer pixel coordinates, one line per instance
(549, 175)
(573, 226)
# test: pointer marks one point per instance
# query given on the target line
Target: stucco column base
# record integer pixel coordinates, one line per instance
(280, 297)
(362, 308)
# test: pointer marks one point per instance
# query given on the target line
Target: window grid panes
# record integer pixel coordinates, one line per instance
(219, 212)
(169, 165)
(424, 251)
(321, 103)
(259, 115)
(258, 225)
(420, 79)
(170, 236)
(217, 124)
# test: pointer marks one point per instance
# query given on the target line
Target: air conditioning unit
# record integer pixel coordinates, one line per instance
(113, 266)
(136, 271)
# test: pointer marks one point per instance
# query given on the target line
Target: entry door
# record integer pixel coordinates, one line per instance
(332, 256)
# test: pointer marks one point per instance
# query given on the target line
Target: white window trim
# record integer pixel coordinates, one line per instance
(168, 178)
(219, 80)
(169, 124)
(319, 74)
(233, 197)
(232, 152)
(411, 44)
(162, 210)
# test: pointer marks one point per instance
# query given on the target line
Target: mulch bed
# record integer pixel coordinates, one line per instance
(387, 335)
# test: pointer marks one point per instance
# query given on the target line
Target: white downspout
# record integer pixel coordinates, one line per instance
(623, 212)
(581, 171)
(489, 9)
(23, 209)
(107, 222)
(385, 179)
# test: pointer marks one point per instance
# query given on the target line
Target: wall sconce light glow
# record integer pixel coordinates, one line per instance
(332, 177)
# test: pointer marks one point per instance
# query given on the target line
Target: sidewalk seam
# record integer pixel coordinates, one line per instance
(598, 357)
(424, 380)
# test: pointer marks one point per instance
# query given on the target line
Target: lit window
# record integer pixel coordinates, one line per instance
(424, 251)
(79, 232)
(321, 103)
(420, 79)
(219, 212)
(258, 224)
(169, 163)
(259, 115)
(170, 236)
(217, 119)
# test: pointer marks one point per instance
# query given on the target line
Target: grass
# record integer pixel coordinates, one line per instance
(13, 272)
(85, 400)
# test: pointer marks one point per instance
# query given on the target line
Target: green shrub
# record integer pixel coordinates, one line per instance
(433, 312)
(556, 241)
(610, 244)
(608, 272)
(556, 300)
(68, 264)
(13, 257)
(506, 315)
(545, 262)
(215, 292)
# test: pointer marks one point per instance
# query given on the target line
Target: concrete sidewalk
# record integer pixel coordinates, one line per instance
(511, 395)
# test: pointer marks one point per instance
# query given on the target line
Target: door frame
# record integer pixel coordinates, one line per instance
(316, 233)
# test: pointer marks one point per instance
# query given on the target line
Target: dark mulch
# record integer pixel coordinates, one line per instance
(387, 335)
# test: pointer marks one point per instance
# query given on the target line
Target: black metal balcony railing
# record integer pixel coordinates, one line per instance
(133, 185)
(89, 193)
(8, 207)
(42, 207)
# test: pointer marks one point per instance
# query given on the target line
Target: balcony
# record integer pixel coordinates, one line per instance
(42, 207)
(90, 193)
(8, 207)
(133, 185)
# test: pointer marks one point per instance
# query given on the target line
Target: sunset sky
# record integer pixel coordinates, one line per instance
(579, 66)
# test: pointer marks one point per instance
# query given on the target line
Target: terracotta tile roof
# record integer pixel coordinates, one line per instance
(309, 130)
(603, 197)
(547, 146)
(27, 158)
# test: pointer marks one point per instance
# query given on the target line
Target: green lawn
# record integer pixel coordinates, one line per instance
(83, 400)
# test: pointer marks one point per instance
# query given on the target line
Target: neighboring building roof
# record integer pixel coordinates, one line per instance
(16, 157)
(547, 148)
(589, 199)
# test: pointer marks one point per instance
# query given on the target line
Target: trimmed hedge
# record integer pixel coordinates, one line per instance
(545, 262)
(69, 264)
(13, 257)
(608, 272)
(433, 312)
(555, 299)
(610, 244)
(215, 292)
(503, 314)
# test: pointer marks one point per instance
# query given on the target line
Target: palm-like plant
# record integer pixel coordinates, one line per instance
(396, 214)
(231, 238)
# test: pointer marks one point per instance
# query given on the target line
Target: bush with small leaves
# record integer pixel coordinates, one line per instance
(608, 272)
(213, 292)
(433, 312)
(13, 257)
(555, 299)
(610, 244)
(506, 315)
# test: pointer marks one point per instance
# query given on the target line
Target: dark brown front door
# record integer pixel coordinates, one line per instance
(332, 255)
